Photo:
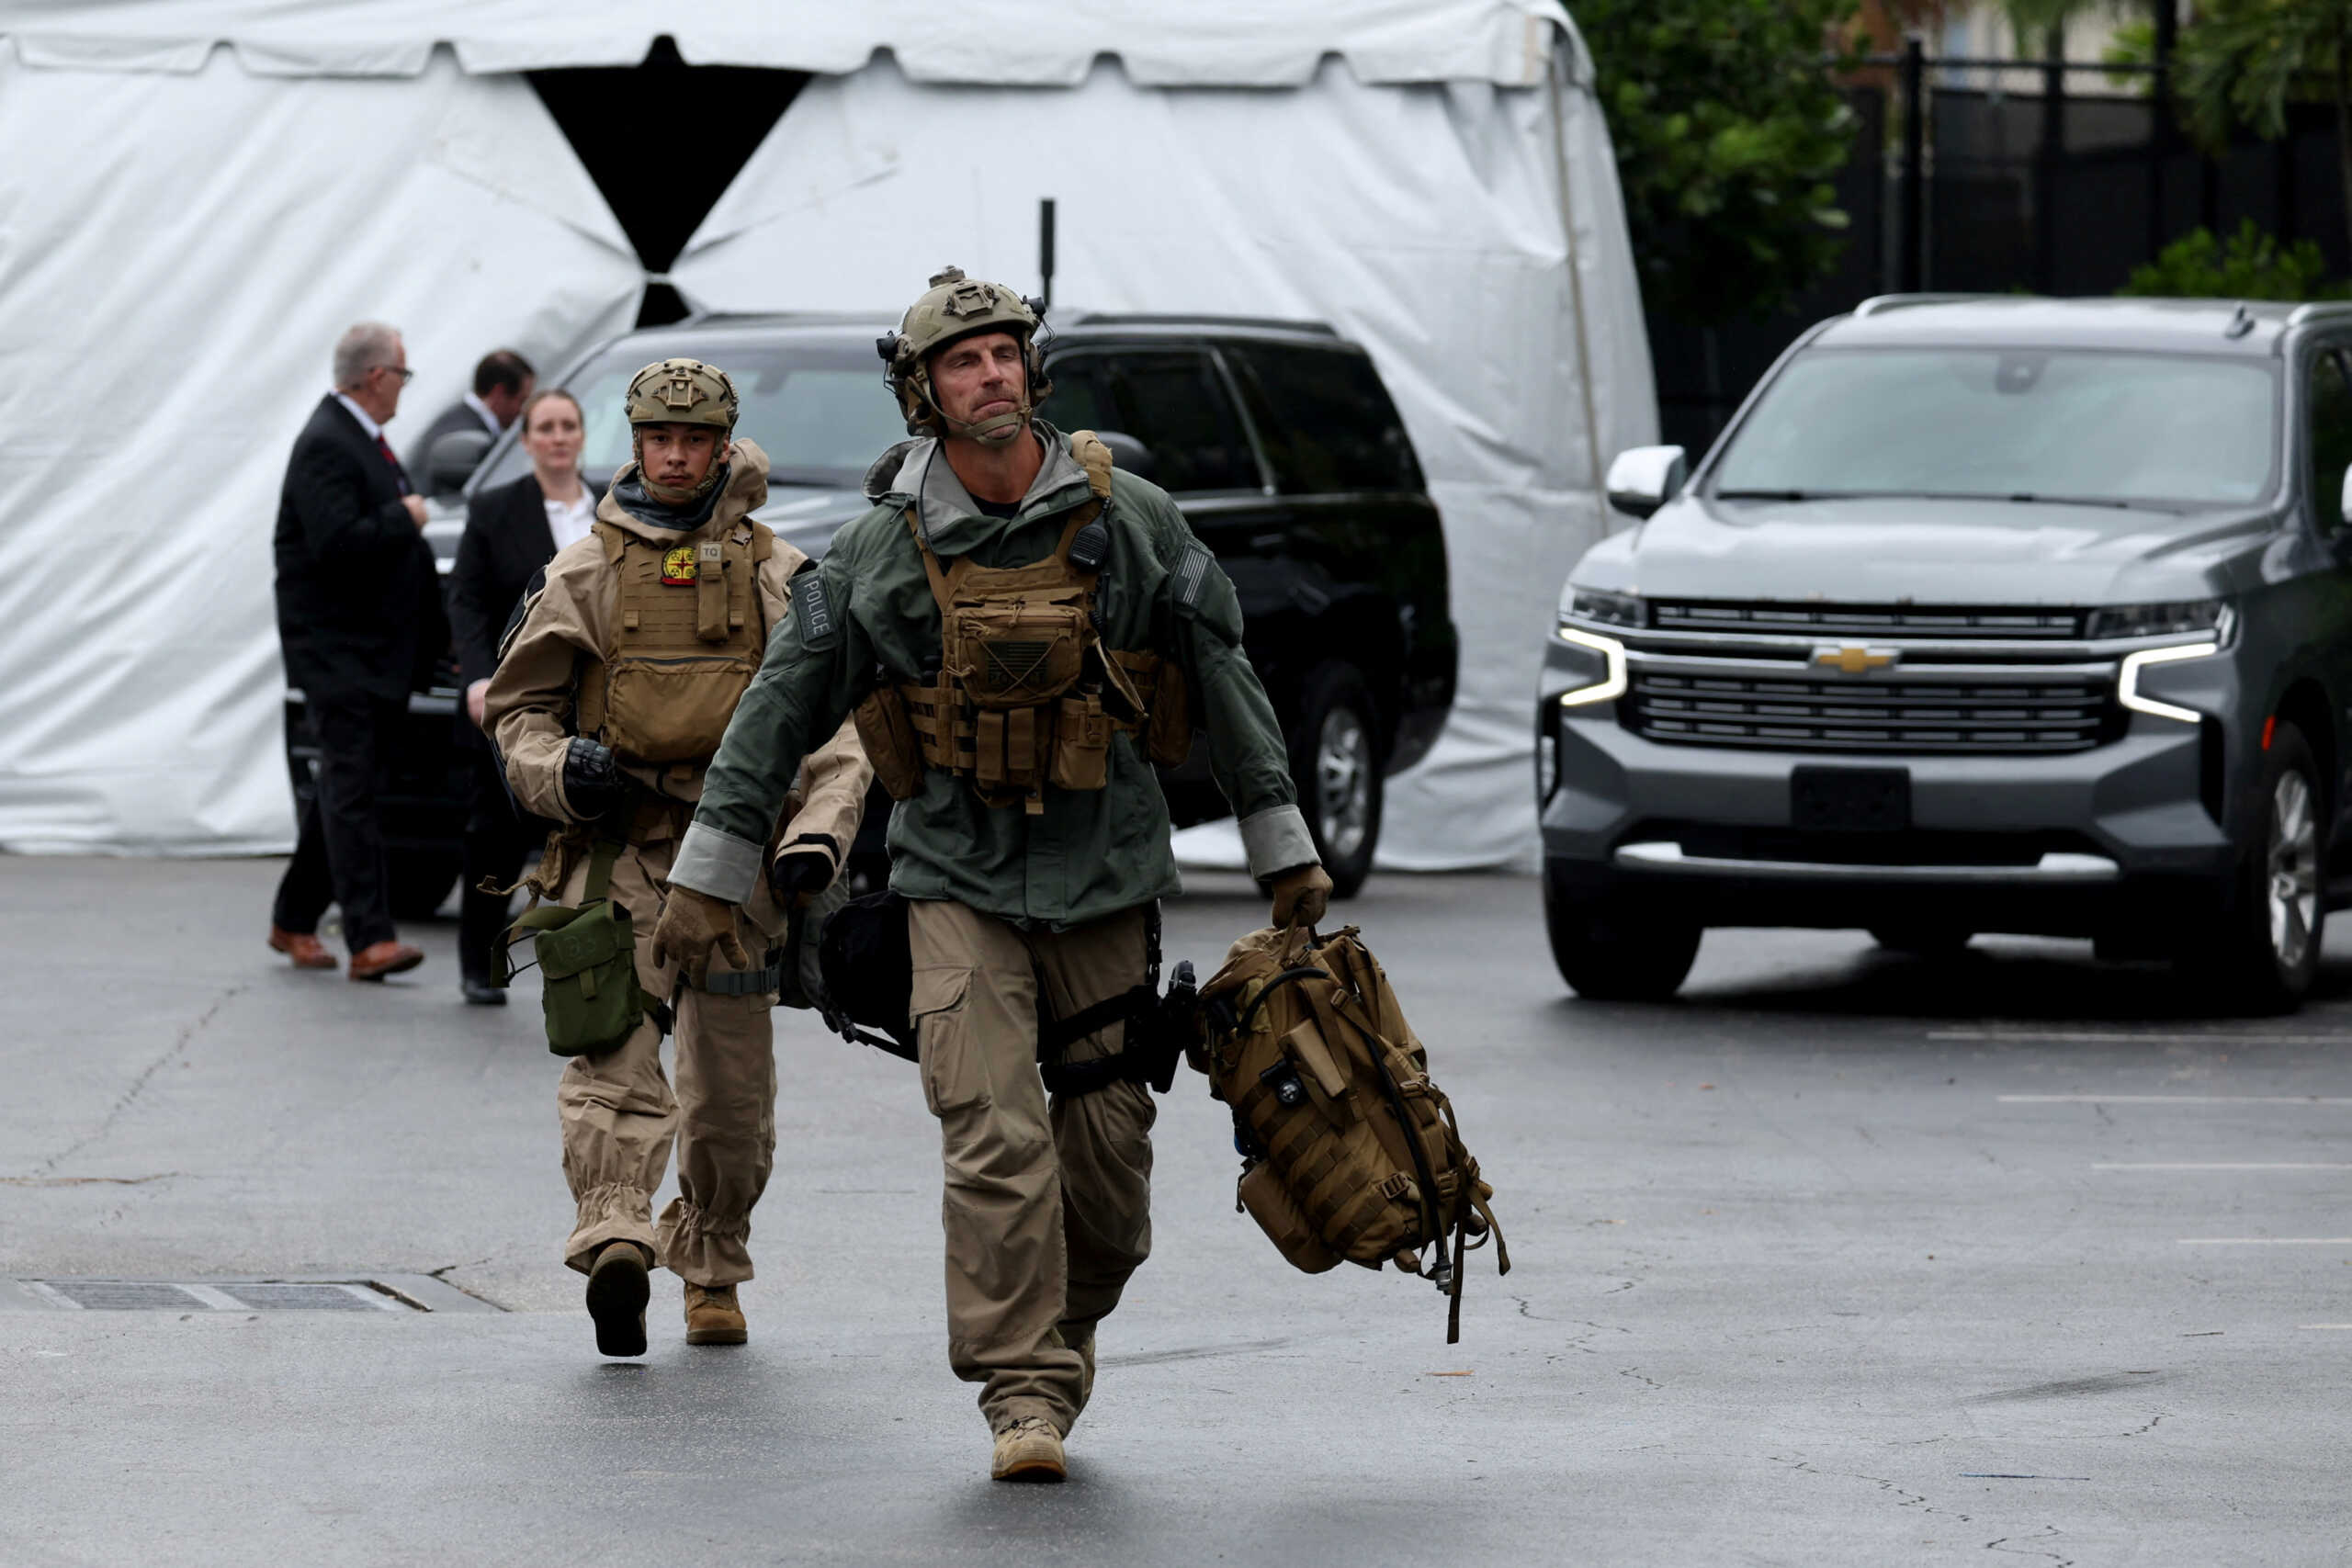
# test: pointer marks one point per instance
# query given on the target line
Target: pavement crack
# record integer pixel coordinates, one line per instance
(88, 1181)
(138, 1085)
(1903, 1499)
(2016, 1544)
(2149, 1427)
(1530, 1314)
(1635, 1374)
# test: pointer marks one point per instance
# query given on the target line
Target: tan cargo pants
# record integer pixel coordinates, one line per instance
(619, 1117)
(1048, 1208)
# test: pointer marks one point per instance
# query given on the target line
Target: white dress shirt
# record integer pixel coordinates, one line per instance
(569, 520)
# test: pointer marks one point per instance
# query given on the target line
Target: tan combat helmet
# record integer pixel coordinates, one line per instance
(683, 391)
(956, 307)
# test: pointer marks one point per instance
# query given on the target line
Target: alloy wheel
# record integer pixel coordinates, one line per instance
(1343, 781)
(2293, 882)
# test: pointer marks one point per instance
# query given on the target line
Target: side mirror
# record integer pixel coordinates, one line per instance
(1644, 479)
(1128, 452)
(452, 459)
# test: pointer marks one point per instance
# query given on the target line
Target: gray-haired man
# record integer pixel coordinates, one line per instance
(360, 622)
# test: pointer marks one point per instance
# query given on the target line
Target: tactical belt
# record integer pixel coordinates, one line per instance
(744, 982)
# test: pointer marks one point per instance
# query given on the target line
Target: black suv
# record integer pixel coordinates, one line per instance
(1276, 439)
(2003, 614)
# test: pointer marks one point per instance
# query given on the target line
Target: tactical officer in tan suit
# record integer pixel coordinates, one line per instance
(609, 700)
(1021, 633)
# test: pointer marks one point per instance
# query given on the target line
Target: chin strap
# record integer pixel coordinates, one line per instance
(996, 430)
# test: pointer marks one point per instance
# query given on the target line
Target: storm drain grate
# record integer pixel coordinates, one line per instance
(310, 1297)
(127, 1295)
(398, 1293)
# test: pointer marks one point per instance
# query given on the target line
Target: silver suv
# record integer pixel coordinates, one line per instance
(1994, 613)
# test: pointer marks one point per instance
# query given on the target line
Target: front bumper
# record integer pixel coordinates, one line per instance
(2127, 833)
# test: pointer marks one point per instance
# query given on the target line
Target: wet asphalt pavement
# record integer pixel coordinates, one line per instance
(1843, 1257)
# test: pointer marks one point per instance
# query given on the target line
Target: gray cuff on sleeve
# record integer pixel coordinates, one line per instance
(713, 860)
(1276, 840)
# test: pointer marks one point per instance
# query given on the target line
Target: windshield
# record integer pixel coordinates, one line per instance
(2118, 429)
(814, 405)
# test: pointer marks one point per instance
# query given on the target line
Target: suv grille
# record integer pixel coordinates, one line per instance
(2016, 717)
(1955, 622)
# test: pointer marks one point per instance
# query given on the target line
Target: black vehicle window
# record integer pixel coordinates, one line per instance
(1327, 422)
(1081, 397)
(1175, 404)
(2329, 410)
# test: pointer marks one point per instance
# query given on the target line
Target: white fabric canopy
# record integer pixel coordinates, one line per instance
(1026, 42)
(1431, 223)
(220, 186)
(177, 256)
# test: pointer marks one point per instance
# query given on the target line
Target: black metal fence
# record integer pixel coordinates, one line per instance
(1960, 181)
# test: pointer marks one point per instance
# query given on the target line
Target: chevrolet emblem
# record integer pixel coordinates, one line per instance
(1854, 658)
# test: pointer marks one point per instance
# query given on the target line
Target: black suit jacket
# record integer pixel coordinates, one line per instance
(456, 416)
(359, 601)
(506, 543)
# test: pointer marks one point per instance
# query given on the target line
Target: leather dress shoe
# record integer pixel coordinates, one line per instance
(380, 959)
(480, 993)
(307, 951)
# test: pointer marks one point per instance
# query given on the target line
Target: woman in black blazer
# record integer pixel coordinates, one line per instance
(511, 532)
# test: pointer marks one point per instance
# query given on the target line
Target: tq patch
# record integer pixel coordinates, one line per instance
(678, 567)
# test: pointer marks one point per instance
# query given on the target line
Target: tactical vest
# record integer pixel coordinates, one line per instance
(1027, 693)
(688, 632)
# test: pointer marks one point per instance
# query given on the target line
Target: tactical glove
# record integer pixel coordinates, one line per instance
(592, 782)
(805, 865)
(1300, 894)
(694, 928)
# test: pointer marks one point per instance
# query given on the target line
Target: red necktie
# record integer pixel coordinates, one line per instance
(386, 448)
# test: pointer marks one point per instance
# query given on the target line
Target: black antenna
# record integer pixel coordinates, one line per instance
(1046, 248)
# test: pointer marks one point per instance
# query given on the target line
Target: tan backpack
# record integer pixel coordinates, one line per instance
(1349, 1150)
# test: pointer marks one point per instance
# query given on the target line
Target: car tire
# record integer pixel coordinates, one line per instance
(2261, 954)
(1923, 939)
(419, 883)
(1335, 756)
(1610, 952)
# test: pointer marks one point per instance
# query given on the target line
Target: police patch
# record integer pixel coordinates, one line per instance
(814, 611)
(678, 567)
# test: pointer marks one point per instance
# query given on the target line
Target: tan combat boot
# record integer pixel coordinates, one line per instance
(618, 1291)
(713, 1317)
(1028, 1449)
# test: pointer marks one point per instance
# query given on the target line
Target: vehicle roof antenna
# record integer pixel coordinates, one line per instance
(2241, 323)
(1045, 249)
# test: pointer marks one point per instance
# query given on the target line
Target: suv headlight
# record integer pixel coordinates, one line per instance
(1600, 663)
(1609, 609)
(2209, 616)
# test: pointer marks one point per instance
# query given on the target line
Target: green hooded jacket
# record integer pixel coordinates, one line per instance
(872, 618)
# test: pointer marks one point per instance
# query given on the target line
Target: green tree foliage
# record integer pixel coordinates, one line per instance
(2243, 62)
(2252, 266)
(1728, 129)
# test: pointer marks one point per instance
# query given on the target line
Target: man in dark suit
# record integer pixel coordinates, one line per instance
(502, 384)
(511, 532)
(360, 623)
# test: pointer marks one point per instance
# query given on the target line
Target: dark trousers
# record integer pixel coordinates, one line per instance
(339, 856)
(497, 837)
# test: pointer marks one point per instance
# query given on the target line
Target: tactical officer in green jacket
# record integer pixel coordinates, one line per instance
(1019, 632)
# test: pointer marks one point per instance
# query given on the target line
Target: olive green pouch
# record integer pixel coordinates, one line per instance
(587, 959)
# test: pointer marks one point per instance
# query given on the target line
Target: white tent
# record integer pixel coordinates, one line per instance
(1431, 176)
